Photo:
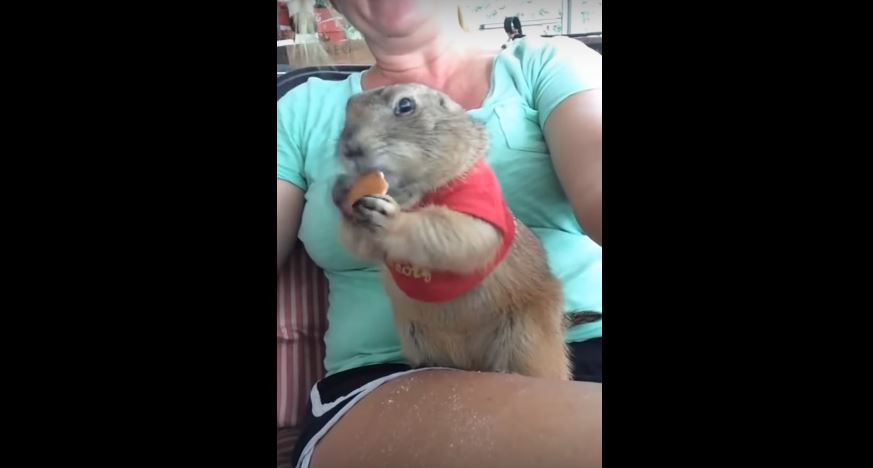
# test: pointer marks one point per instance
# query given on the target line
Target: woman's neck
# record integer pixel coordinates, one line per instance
(452, 67)
(432, 65)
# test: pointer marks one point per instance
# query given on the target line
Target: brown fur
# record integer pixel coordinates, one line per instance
(513, 321)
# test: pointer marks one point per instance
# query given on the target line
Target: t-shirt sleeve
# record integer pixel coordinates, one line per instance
(559, 68)
(289, 157)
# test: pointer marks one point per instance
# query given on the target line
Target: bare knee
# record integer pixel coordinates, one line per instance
(455, 418)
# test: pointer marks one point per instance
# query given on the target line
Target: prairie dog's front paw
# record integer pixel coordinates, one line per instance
(375, 211)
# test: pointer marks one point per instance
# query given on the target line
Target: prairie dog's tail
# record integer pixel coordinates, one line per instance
(578, 318)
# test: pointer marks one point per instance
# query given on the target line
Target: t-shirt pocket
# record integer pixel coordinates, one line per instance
(520, 127)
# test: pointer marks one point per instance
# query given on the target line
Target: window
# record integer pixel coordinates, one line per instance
(312, 33)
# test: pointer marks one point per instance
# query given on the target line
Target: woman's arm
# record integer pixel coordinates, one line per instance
(574, 134)
(289, 207)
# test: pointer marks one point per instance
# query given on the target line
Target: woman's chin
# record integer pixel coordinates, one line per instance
(401, 18)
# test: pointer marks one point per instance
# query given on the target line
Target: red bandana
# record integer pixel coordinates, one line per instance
(478, 194)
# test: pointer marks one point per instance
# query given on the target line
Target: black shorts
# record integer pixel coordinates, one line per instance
(335, 394)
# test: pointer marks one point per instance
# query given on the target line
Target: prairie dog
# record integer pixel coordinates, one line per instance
(469, 289)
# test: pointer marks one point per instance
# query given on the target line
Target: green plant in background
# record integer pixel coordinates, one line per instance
(352, 34)
(350, 31)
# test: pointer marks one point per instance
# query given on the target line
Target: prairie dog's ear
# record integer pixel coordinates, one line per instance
(449, 104)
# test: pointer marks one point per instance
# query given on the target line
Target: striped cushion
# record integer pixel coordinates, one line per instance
(286, 438)
(300, 323)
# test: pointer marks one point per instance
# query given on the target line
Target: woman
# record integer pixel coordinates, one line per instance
(541, 103)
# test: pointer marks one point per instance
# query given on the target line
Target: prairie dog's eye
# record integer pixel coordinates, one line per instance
(405, 106)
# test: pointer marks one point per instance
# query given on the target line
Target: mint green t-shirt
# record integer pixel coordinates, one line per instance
(529, 79)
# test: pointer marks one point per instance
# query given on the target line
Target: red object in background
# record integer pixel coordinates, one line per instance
(328, 27)
(284, 17)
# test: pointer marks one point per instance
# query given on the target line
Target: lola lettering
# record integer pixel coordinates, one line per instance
(413, 272)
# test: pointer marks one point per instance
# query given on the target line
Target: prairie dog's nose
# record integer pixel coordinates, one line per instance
(351, 144)
(353, 151)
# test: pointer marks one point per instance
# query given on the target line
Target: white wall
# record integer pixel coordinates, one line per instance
(585, 16)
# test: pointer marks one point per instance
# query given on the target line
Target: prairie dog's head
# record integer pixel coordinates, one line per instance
(417, 136)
